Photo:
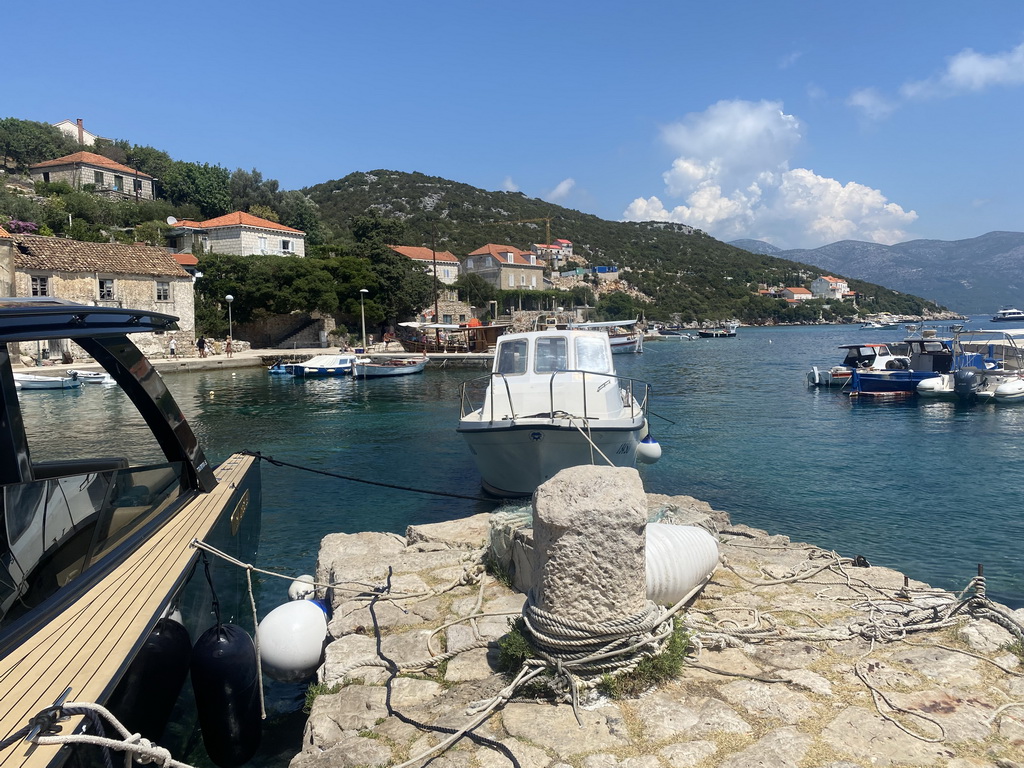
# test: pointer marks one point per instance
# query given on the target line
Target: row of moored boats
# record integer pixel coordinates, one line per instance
(974, 365)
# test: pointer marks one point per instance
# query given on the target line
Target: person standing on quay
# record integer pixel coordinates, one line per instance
(201, 346)
(227, 346)
(174, 346)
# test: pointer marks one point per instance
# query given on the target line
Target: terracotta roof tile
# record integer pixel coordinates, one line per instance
(423, 254)
(90, 158)
(242, 219)
(57, 254)
(185, 259)
(519, 258)
(4, 232)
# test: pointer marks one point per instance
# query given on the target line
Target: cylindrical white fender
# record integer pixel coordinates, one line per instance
(679, 557)
(291, 639)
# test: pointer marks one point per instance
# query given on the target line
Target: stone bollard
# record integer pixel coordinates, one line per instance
(589, 533)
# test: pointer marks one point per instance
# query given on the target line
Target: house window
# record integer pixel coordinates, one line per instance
(286, 246)
(163, 291)
(137, 184)
(40, 286)
(118, 183)
(522, 280)
(469, 263)
(511, 281)
(46, 177)
(446, 319)
(106, 289)
(533, 281)
(97, 177)
(263, 243)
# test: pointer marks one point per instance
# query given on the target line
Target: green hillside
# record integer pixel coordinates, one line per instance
(684, 271)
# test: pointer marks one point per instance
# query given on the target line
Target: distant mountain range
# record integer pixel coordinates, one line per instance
(975, 276)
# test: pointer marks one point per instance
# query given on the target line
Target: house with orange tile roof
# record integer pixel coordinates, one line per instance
(828, 287)
(505, 267)
(236, 234)
(556, 254)
(91, 172)
(798, 293)
(442, 264)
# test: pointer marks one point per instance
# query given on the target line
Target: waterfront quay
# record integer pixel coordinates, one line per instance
(799, 657)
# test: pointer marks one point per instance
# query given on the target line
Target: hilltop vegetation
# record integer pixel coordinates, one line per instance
(673, 272)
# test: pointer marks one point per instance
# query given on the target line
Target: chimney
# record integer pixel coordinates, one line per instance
(81, 132)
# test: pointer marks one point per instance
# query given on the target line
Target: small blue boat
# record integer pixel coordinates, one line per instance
(929, 357)
(323, 366)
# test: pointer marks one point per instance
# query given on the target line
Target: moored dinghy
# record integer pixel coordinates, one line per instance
(552, 401)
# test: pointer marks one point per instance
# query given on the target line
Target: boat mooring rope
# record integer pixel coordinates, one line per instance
(393, 486)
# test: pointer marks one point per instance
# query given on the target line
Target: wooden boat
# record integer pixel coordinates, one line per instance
(551, 401)
(722, 332)
(368, 368)
(421, 338)
(97, 560)
(32, 381)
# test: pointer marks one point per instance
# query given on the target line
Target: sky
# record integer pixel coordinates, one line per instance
(798, 123)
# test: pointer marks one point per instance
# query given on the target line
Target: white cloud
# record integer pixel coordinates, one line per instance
(733, 178)
(971, 71)
(871, 103)
(561, 191)
(790, 59)
(508, 185)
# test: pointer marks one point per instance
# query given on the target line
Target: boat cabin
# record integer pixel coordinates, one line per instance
(872, 356)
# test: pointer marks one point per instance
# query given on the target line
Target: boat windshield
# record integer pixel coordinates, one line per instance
(592, 355)
(552, 354)
(512, 356)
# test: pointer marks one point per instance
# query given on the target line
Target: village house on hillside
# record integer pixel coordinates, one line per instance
(107, 275)
(505, 267)
(441, 264)
(796, 294)
(89, 171)
(556, 254)
(76, 130)
(828, 287)
(236, 234)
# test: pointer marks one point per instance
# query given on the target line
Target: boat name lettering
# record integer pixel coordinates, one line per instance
(536, 435)
(239, 512)
(623, 449)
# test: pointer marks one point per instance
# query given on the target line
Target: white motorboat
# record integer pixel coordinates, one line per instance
(1009, 315)
(551, 401)
(101, 591)
(863, 357)
(323, 366)
(91, 377)
(623, 335)
(987, 365)
(369, 368)
(32, 381)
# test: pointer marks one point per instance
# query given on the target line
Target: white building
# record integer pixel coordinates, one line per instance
(828, 287)
(76, 130)
(797, 293)
(237, 234)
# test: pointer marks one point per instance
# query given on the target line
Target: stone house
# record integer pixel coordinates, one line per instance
(236, 234)
(505, 267)
(107, 274)
(828, 287)
(444, 265)
(89, 171)
(556, 254)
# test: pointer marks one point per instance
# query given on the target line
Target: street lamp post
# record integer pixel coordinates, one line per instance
(362, 315)
(229, 298)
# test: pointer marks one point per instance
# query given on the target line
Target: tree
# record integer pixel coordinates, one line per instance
(474, 290)
(248, 188)
(205, 186)
(24, 143)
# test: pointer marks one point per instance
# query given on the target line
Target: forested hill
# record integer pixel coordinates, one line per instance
(682, 269)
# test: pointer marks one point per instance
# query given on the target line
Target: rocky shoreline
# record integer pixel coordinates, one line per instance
(800, 658)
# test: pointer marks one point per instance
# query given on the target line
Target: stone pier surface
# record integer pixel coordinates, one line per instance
(797, 666)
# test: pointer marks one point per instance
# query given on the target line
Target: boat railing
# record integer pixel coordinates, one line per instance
(634, 394)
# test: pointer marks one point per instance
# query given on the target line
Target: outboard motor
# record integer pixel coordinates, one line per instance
(966, 383)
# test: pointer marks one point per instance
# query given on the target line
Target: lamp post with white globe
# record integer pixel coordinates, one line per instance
(362, 315)
(229, 298)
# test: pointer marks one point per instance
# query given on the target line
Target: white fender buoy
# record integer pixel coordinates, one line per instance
(302, 588)
(679, 557)
(291, 639)
(649, 450)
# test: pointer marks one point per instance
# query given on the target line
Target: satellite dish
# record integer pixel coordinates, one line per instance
(171, 221)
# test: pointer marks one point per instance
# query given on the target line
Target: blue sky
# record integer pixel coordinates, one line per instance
(799, 123)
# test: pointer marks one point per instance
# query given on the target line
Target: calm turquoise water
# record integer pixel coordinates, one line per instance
(930, 488)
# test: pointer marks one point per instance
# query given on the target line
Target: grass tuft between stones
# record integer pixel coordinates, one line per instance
(318, 689)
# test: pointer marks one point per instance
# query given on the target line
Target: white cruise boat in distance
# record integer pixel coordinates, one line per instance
(1009, 316)
(551, 401)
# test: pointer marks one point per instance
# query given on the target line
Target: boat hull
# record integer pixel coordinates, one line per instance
(513, 459)
(889, 382)
(31, 381)
(365, 370)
